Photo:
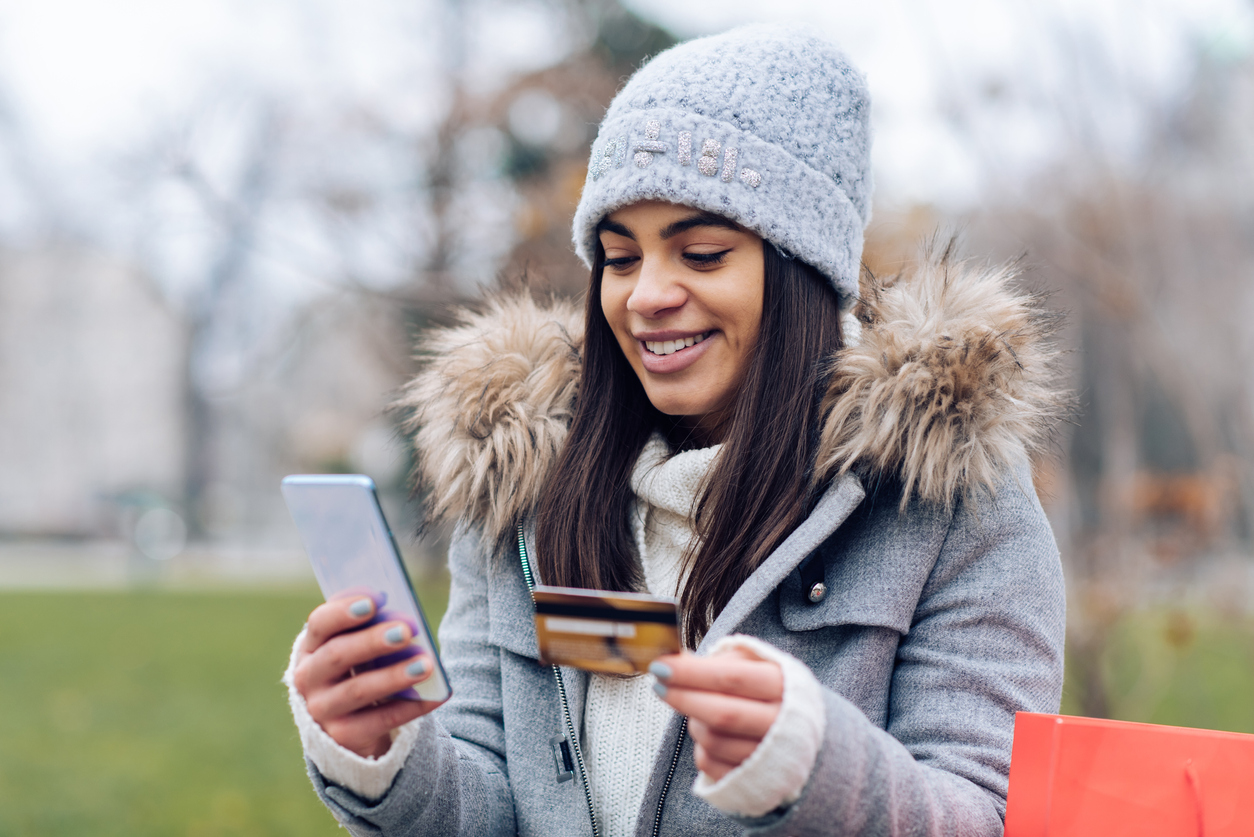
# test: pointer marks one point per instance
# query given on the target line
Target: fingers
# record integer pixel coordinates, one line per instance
(725, 714)
(335, 617)
(714, 768)
(366, 689)
(334, 660)
(716, 746)
(357, 709)
(731, 673)
(367, 732)
(731, 700)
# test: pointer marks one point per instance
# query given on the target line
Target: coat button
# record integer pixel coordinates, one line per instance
(817, 592)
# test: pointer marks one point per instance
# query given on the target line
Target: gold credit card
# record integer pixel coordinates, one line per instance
(619, 633)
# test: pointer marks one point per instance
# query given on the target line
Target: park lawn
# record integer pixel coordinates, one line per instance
(161, 713)
(1183, 666)
(154, 713)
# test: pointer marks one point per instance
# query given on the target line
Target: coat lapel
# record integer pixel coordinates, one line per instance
(511, 624)
(513, 628)
(510, 610)
(839, 501)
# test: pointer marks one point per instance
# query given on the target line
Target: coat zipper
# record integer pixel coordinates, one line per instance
(670, 774)
(561, 695)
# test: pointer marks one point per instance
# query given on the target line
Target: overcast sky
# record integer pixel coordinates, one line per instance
(964, 90)
(968, 91)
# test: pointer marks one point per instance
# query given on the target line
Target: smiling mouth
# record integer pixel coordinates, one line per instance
(667, 347)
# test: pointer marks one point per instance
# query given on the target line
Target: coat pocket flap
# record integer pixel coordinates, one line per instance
(876, 588)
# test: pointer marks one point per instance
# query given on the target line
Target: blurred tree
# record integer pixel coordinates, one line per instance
(211, 312)
(1154, 263)
(550, 119)
(1146, 239)
(376, 224)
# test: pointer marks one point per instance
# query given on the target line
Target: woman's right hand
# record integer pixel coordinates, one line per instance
(357, 710)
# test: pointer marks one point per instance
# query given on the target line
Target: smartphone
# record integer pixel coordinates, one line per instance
(352, 551)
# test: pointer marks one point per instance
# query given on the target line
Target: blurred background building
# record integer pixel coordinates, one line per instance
(221, 225)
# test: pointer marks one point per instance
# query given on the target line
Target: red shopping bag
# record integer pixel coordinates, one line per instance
(1084, 776)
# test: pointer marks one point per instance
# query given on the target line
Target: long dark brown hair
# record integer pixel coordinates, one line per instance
(761, 485)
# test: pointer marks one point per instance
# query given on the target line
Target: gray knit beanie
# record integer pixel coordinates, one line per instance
(766, 125)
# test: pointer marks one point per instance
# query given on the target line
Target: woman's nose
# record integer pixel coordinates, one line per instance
(656, 292)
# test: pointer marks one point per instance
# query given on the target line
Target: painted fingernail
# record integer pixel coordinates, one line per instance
(395, 635)
(660, 688)
(360, 608)
(660, 670)
(416, 669)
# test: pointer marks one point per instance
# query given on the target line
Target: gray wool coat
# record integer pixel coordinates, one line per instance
(944, 616)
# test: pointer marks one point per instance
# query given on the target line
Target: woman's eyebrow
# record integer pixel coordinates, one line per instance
(701, 219)
(613, 226)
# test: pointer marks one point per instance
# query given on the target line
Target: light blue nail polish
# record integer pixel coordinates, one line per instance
(416, 669)
(394, 636)
(660, 670)
(660, 688)
(360, 608)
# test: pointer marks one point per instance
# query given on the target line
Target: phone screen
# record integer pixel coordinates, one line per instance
(352, 550)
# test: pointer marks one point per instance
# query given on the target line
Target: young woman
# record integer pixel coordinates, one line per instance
(842, 503)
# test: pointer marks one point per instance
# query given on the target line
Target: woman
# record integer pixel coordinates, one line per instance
(841, 502)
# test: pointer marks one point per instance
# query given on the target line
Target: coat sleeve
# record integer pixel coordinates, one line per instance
(454, 781)
(986, 641)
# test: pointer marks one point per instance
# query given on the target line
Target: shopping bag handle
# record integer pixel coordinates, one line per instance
(1195, 786)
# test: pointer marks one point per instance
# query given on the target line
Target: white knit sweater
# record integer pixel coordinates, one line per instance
(623, 720)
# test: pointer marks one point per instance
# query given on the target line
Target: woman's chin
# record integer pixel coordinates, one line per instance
(676, 401)
(686, 409)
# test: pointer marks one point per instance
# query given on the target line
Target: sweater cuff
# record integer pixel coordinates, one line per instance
(778, 769)
(366, 776)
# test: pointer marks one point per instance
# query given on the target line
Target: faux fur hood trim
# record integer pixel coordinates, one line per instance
(954, 378)
(489, 411)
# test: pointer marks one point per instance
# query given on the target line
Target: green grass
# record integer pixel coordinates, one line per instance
(157, 713)
(161, 713)
(1184, 667)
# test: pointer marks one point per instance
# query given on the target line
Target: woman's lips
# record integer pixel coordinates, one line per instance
(675, 361)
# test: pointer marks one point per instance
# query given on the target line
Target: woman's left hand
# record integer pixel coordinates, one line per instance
(731, 699)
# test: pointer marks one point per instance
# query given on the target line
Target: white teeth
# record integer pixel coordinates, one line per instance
(666, 347)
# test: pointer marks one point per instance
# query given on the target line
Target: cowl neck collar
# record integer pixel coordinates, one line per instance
(671, 481)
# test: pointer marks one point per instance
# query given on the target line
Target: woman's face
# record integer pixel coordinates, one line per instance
(682, 291)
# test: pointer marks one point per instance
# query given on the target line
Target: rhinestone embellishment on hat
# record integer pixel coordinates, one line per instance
(611, 157)
(614, 153)
(729, 164)
(646, 148)
(685, 148)
(708, 164)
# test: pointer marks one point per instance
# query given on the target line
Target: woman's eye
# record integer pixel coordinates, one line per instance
(706, 258)
(620, 262)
